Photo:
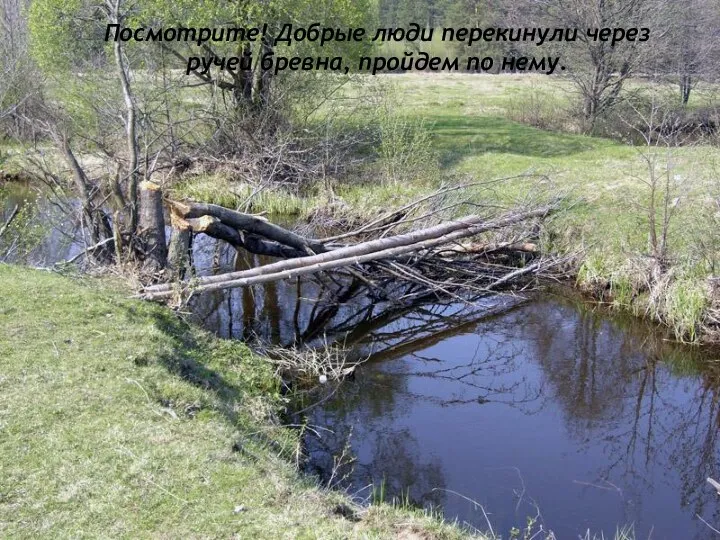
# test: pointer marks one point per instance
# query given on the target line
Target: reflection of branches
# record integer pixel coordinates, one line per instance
(616, 393)
(399, 324)
(344, 309)
(370, 403)
(492, 367)
(650, 421)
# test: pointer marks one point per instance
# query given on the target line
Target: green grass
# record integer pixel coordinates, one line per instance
(119, 420)
(219, 189)
(474, 134)
(471, 122)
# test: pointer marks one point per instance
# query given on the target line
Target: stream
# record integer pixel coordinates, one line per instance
(492, 410)
(498, 408)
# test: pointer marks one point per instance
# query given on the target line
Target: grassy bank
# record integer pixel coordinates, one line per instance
(119, 420)
(475, 130)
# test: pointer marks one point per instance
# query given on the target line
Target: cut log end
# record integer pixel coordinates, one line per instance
(203, 224)
(248, 223)
(148, 185)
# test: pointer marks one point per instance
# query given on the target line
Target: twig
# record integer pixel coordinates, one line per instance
(88, 249)
(706, 523)
(477, 505)
(9, 220)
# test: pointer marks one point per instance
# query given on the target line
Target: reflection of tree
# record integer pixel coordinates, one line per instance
(329, 308)
(611, 380)
(381, 456)
(385, 324)
(373, 406)
(615, 388)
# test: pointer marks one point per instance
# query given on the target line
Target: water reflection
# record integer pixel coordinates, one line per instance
(44, 230)
(597, 422)
(549, 406)
(657, 429)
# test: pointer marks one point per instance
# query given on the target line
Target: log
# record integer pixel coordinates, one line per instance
(360, 253)
(217, 229)
(253, 243)
(350, 251)
(152, 226)
(248, 223)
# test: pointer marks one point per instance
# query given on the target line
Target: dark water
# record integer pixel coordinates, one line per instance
(44, 232)
(547, 407)
(543, 406)
(594, 422)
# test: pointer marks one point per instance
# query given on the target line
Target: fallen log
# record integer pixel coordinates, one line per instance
(253, 243)
(248, 223)
(351, 255)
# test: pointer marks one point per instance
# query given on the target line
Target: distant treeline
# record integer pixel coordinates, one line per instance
(435, 13)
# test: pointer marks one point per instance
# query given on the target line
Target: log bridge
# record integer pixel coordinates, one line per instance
(431, 257)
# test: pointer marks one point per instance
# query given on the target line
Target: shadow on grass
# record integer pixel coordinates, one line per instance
(458, 137)
(184, 359)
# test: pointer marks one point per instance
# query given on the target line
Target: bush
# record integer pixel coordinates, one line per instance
(404, 146)
(540, 108)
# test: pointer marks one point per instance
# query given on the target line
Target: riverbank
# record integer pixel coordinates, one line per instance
(120, 420)
(451, 128)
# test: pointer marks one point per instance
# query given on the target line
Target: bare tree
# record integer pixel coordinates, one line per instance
(116, 16)
(693, 49)
(661, 135)
(599, 68)
(18, 80)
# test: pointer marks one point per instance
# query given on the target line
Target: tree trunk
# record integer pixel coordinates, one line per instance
(246, 75)
(261, 89)
(130, 121)
(178, 252)
(94, 219)
(152, 227)
(685, 88)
